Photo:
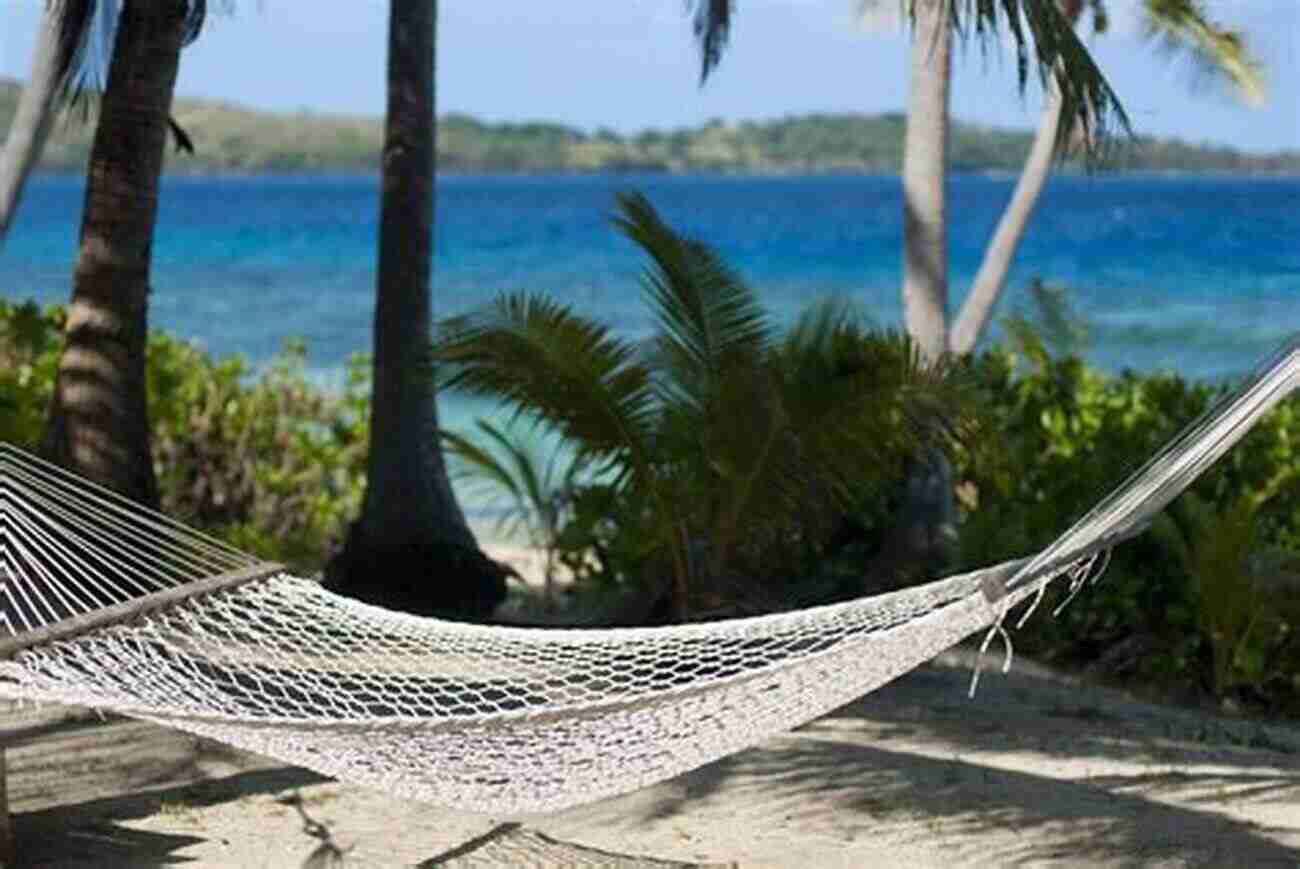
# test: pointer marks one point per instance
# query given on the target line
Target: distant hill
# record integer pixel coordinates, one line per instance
(230, 138)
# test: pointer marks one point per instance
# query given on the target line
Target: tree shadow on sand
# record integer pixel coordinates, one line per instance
(907, 761)
(946, 801)
(91, 833)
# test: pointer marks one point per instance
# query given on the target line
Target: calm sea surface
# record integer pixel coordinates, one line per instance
(1200, 274)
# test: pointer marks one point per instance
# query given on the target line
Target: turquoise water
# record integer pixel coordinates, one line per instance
(1201, 274)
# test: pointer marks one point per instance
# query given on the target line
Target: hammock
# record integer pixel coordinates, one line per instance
(107, 605)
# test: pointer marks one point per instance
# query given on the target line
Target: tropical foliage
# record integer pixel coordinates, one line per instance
(263, 458)
(528, 482)
(1208, 603)
(723, 451)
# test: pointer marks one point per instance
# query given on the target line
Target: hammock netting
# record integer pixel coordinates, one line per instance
(106, 605)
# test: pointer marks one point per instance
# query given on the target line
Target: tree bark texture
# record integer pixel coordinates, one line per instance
(980, 302)
(408, 496)
(411, 548)
(99, 424)
(925, 170)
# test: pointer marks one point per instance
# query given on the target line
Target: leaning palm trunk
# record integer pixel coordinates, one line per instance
(992, 274)
(98, 422)
(31, 125)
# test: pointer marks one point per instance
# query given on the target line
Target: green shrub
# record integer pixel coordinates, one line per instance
(268, 461)
(29, 357)
(1064, 434)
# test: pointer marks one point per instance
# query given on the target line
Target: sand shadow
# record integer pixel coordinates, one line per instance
(1041, 713)
(854, 767)
(91, 833)
(955, 802)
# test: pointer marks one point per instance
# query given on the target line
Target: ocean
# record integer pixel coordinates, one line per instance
(1196, 274)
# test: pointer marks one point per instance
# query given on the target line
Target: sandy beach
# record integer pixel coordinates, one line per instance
(1037, 770)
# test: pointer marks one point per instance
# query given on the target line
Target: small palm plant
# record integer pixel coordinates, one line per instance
(724, 441)
(1246, 593)
(537, 481)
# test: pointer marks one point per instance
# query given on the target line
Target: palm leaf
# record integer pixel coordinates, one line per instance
(1184, 27)
(712, 26)
(512, 464)
(708, 319)
(1046, 42)
(546, 362)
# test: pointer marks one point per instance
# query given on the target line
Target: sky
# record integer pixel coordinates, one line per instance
(632, 64)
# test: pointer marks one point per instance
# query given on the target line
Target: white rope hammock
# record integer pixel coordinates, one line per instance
(106, 605)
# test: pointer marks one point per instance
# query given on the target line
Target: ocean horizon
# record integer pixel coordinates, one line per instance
(1193, 273)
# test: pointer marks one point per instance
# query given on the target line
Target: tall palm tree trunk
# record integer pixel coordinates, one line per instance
(925, 172)
(411, 547)
(924, 535)
(98, 422)
(61, 30)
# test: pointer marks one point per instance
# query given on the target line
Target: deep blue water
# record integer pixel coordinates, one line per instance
(1201, 274)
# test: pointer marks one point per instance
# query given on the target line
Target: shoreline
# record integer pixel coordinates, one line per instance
(354, 173)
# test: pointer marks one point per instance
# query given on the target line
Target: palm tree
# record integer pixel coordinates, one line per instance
(410, 524)
(717, 434)
(98, 421)
(1181, 27)
(1080, 108)
(60, 72)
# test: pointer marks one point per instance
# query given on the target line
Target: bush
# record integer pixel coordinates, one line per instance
(29, 358)
(268, 461)
(1065, 434)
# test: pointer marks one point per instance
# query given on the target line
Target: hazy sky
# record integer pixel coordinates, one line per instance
(631, 64)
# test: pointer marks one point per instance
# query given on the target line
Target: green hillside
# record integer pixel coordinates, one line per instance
(234, 139)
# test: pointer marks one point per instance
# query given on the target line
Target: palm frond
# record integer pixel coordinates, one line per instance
(545, 361)
(708, 319)
(518, 466)
(86, 43)
(1184, 27)
(814, 333)
(712, 26)
(74, 40)
(1046, 44)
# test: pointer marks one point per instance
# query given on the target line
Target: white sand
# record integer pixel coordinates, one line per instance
(1036, 770)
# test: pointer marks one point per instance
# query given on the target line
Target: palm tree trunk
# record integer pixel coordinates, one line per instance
(408, 496)
(98, 422)
(38, 105)
(925, 169)
(411, 547)
(992, 274)
(925, 532)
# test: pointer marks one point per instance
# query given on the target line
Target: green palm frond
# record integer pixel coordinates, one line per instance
(712, 26)
(538, 357)
(862, 397)
(708, 318)
(517, 466)
(1184, 27)
(1045, 44)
